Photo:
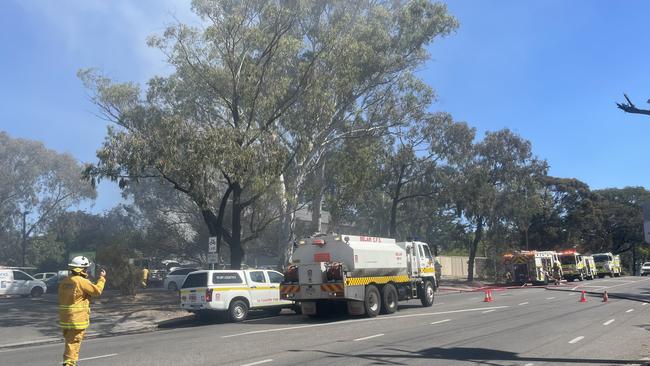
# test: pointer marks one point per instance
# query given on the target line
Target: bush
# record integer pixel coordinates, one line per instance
(121, 274)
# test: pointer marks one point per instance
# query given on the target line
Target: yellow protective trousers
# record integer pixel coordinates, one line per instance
(73, 338)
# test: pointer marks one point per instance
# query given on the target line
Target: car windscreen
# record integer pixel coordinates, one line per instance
(224, 278)
(601, 258)
(196, 280)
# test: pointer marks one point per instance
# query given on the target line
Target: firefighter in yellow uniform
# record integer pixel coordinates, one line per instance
(145, 276)
(75, 292)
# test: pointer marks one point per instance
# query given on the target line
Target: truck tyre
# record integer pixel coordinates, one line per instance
(238, 311)
(372, 301)
(389, 299)
(426, 294)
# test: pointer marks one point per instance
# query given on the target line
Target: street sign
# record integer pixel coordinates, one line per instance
(646, 222)
(212, 244)
(213, 258)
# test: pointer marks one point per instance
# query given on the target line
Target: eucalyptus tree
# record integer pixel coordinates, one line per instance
(490, 178)
(36, 185)
(259, 92)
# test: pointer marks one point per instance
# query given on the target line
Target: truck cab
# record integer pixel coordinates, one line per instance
(232, 292)
(607, 264)
(590, 267)
(573, 266)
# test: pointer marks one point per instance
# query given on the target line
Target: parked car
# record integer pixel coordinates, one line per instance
(53, 284)
(645, 269)
(16, 282)
(44, 276)
(233, 292)
(174, 279)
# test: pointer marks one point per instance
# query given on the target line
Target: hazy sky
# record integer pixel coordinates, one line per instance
(549, 70)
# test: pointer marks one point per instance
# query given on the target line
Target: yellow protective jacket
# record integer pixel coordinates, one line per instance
(74, 301)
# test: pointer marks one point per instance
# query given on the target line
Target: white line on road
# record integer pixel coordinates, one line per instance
(610, 321)
(444, 321)
(524, 303)
(96, 357)
(360, 320)
(576, 340)
(529, 364)
(644, 304)
(487, 311)
(368, 337)
(258, 362)
(550, 298)
(630, 310)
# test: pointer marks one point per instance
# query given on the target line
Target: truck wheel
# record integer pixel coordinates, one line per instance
(426, 294)
(389, 299)
(372, 301)
(238, 311)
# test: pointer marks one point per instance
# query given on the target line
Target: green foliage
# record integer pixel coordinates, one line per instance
(121, 274)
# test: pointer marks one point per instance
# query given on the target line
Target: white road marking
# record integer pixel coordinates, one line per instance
(610, 321)
(550, 298)
(368, 337)
(630, 310)
(258, 362)
(96, 357)
(360, 320)
(487, 311)
(444, 321)
(529, 364)
(524, 303)
(576, 340)
(644, 304)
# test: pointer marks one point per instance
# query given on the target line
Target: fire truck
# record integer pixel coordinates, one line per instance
(573, 267)
(608, 264)
(525, 266)
(363, 274)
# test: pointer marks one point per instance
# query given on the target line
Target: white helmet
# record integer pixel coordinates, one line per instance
(79, 262)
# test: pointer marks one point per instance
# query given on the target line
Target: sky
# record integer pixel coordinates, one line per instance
(551, 71)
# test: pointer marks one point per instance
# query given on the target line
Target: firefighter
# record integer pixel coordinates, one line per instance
(75, 292)
(556, 272)
(145, 276)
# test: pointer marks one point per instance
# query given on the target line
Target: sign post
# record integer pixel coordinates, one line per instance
(646, 222)
(213, 256)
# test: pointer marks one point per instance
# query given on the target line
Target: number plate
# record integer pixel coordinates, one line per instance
(192, 297)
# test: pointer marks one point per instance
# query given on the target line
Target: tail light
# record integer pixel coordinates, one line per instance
(319, 242)
(208, 295)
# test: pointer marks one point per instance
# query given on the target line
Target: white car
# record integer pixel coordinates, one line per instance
(645, 269)
(44, 276)
(16, 282)
(174, 279)
(233, 292)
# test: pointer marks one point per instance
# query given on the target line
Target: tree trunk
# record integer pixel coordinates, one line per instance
(287, 225)
(236, 250)
(317, 201)
(478, 234)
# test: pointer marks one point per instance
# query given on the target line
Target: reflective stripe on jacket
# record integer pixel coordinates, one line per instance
(74, 301)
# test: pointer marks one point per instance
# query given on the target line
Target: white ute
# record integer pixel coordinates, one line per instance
(233, 292)
(16, 282)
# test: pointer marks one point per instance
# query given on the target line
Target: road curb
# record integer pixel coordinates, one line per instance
(165, 324)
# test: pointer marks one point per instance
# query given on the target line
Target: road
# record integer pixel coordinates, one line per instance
(528, 327)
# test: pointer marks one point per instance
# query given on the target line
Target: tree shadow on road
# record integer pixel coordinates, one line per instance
(481, 356)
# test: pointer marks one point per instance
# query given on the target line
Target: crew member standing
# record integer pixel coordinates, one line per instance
(75, 292)
(145, 277)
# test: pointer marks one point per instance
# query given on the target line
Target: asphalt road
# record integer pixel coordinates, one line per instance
(528, 326)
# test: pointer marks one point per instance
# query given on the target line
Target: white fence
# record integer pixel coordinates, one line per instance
(456, 267)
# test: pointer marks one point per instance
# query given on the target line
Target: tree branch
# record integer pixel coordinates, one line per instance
(629, 107)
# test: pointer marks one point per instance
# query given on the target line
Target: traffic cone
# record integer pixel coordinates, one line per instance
(605, 297)
(487, 296)
(491, 297)
(582, 297)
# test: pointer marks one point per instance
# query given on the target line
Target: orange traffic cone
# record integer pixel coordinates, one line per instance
(605, 297)
(491, 297)
(582, 297)
(487, 296)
